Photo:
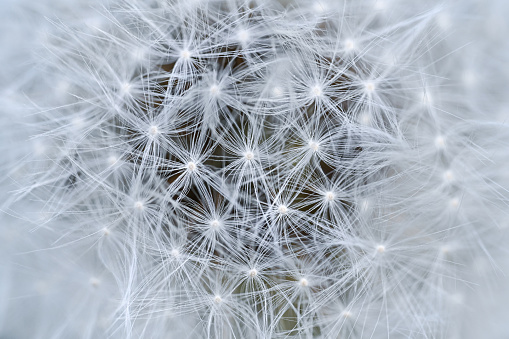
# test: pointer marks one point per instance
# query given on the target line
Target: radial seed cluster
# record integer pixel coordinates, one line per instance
(252, 169)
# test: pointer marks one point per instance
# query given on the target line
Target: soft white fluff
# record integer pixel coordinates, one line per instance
(253, 169)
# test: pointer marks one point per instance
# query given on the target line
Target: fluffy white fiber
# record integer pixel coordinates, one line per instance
(254, 169)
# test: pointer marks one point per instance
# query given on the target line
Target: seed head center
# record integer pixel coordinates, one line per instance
(282, 209)
(330, 196)
(191, 166)
(249, 155)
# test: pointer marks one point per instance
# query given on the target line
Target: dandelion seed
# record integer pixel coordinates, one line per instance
(440, 142)
(139, 206)
(125, 88)
(112, 160)
(215, 224)
(215, 90)
(175, 253)
(153, 131)
(185, 54)
(94, 282)
(191, 166)
(282, 209)
(277, 91)
(237, 135)
(243, 36)
(346, 314)
(369, 87)
(316, 91)
(454, 203)
(449, 176)
(314, 145)
(349, 44)
(249, 156)
(445, 249)
(330, 196)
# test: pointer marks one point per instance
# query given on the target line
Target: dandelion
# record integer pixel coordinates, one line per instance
(253, 169)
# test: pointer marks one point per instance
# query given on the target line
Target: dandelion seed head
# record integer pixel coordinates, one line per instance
(320, 7)
(308, 155)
